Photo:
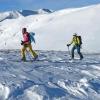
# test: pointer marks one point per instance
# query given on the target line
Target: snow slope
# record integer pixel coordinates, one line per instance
(53, 77)
(54, 31)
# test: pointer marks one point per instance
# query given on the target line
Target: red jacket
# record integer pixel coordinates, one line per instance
(26, 37)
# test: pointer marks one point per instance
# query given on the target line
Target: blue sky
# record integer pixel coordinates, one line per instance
(49, 4)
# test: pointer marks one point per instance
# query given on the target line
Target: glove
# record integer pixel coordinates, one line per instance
(68, 45)
(22, 42)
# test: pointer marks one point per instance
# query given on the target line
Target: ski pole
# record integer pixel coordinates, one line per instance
(69, 51)
(28, 54)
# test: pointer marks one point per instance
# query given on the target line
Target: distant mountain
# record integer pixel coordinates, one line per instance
(9, 15)
(31, 12)
(16, 14)
(27, 12)
(44, 11)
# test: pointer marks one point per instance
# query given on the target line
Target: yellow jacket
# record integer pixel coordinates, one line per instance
(75, 41)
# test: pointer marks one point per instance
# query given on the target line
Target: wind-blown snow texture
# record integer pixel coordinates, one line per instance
(52, 77)
(53, 30)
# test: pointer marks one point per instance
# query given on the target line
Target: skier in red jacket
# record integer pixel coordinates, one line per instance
(27, 44)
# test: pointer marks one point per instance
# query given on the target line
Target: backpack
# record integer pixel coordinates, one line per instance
(80, 39)
(31, 37)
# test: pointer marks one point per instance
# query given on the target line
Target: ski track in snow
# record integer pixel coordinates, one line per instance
(52, 77)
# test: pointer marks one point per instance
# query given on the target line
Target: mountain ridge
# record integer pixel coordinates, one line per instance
(17, 13)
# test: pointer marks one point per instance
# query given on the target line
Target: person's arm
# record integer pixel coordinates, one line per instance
(70, 43)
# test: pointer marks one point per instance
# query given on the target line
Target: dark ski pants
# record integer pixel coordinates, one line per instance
(78, 51)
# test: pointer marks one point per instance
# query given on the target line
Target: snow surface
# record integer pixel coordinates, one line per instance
(54, 30)
(51, 77)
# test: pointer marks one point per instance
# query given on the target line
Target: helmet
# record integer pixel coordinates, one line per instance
(24, 30)
(74, 34)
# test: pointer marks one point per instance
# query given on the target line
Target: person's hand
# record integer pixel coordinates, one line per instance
(22, 42)
(68, 45)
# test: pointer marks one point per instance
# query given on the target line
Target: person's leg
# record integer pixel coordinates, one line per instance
(78, 51)
(72, 51)
(23, 53)
(32, 52)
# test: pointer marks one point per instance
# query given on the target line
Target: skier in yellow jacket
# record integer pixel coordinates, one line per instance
(76, 45)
